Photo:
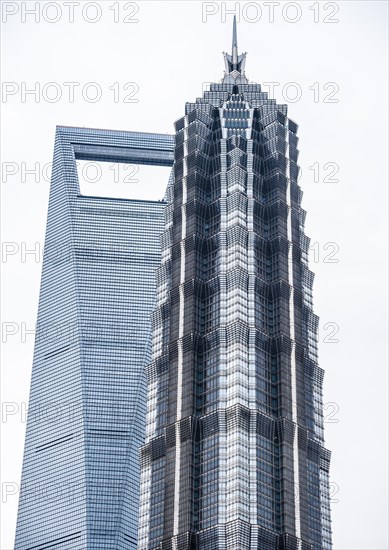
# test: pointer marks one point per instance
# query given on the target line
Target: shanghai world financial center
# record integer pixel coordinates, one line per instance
(178, 342)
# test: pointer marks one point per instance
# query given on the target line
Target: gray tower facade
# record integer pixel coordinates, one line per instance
(80, 479)
(234, 457)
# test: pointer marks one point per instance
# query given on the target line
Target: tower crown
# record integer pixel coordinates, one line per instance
(234, 63)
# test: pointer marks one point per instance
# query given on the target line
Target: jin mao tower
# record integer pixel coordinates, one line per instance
(234, 457)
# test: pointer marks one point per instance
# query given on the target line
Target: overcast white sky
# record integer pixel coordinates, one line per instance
(329, 60)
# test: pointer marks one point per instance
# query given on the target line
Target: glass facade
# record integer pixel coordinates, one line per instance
(234, 457)
(80, 480)
(198, 306)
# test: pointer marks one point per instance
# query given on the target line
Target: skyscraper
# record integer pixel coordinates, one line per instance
(234, 457)
(80, 480)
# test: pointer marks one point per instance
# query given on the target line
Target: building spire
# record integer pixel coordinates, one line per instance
(234, 43)
(234, 63)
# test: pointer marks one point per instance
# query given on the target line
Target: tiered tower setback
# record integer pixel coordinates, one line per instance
(234, 457)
